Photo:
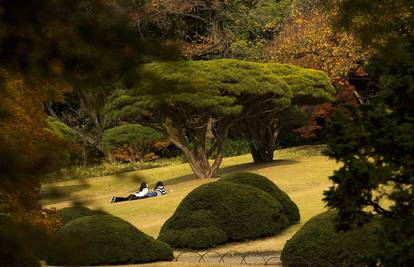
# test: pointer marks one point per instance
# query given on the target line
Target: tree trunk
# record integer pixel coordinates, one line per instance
(262, 153)
(201, 166)
(197, 156)
(199, 170)
(198, 161)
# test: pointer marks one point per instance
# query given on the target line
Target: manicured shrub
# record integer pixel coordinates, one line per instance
(104, 240)
(62, 130)
(71, 213)
(259, 181)
(318, 244)
(67, 142)
(224, 211)
(130, 142)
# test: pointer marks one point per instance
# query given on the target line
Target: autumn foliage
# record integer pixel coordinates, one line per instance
(309, 40)
(345, 94)
(209, 29)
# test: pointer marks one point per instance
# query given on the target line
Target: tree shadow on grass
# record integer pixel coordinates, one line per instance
(180, 179)
(59, 192)
(246, 167)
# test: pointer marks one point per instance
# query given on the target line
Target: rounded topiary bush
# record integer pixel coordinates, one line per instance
(261, 182)
(221, 212)
(71, 213)
(104, 239)
(318, 244)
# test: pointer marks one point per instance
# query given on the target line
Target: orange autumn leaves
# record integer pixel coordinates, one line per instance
(26, 149)
(308, 40)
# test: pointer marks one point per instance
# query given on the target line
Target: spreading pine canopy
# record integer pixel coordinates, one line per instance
(225, 87)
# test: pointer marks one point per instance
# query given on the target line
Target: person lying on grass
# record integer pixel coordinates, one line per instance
(158, 190)
(142, 193)
(143, 190)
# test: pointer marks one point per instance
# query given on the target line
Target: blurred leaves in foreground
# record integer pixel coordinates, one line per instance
(49, 48)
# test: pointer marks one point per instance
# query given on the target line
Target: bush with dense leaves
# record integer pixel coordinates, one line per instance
(236, 147)
(104, 240)
(230, 209)
(130, 142)
(318, 244)
(71, 213)
(289, 208)
(62, 130)
(67, 141)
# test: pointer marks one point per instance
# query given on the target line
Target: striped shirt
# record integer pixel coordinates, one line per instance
(160, 190)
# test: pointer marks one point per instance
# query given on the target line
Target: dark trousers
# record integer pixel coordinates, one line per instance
(130, 197)
(120, 199)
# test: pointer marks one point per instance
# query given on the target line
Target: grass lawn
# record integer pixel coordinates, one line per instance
(301, 172)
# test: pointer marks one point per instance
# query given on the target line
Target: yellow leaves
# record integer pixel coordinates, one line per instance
(271, 25)
(23, 127)
(309, 41)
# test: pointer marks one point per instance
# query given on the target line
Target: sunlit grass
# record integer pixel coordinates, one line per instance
(302, 172)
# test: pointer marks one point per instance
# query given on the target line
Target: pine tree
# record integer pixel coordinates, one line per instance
(375, 141)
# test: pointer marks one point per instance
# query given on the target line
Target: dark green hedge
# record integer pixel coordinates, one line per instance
(71, 213)
(261, 182)
(221, 212)
(104, 240)
(318, 244)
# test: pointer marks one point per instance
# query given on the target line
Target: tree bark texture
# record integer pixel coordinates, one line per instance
(262, 137)
(193, 146)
